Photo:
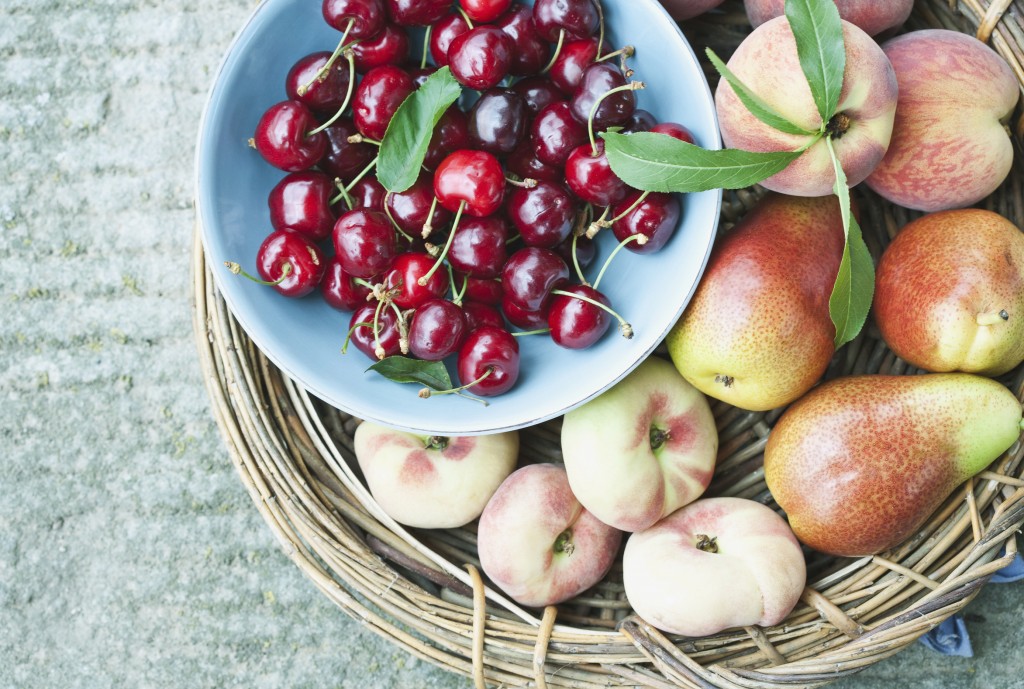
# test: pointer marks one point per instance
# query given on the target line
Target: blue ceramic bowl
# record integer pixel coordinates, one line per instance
(304, 336)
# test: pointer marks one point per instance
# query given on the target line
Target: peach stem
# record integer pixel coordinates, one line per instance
(992, 317)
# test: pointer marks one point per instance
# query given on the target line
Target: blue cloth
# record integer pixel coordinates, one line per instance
(951, 637)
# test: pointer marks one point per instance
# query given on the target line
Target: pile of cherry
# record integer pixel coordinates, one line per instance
(509, 197)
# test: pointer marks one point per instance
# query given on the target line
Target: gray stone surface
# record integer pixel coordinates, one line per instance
(130, 554)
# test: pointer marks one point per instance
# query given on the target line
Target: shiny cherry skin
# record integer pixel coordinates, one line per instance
(377, 98)
(403, 277)
(339, 289)
(411, 208)
(497, 121)
(577, 18)
(574, 323)
(471, 177)
(301, 202)
(586, 251)
(480, 58)
(421, 74)
(479, 314)
(521, 318)
(529, 276)
(598, 79)
(368, 194)
(390, 46)
(367, 16)
(590, 176)
(417, 12)
(364, 242)
(343, 159)
(537, 93)
(543, 215)
(568, 67)
(437, 330)
(530, 52)
(484, 11)
(656, 217)
(444, 31)
(676, 131)
(388, 334)
(556, 133)
(489, 349)
(307, 262)
(523, 163)
(281, 137)
(483, 290)
(479, 247)
(640, 121)
(451, 134)
(324, 96)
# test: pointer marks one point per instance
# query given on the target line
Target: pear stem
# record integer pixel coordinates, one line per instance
(992, 317)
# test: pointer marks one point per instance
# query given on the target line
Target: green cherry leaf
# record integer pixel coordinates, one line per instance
(658, 162)
(818, 32)
(404, 145)
(400, 369)
(754, 103)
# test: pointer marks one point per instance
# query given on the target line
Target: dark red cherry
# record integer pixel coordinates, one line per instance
(451, 134)
(529, 276)
(577, 324)
(656, 217)
(421, 74)
(320, 95)
(304, 259)
(480, 58)
(578, 18)
(367, 338)
(478, 247)
(523, 163)
(586, 251)
(339, 289)
(497, 121)
(343, 159)
(281, 137)
(483, 290)
(484, 11)
(597, 80)
(537, 93)
(377, 98)
(444, 31)
(417, 12)
(368, 194)
(530, 52)
(367, 16)
(543, 215)
(521, 318)
(301, 202)
(471, 177)
(591, 178)
(479, 314)
(404, 275)
(640, 121)
(556, 133)
(492, 351)
(388, 47)
(364, 242)
(411, 208)
(676, 131)
(437, 330)
(568, 67)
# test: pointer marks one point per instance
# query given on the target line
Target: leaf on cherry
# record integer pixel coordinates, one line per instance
(818, 32)
(405, 142)
(401, 369)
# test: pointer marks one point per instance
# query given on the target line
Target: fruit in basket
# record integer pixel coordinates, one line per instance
(949, 293)
(688, 9)
(757, 333)
(870, 15)
(715, 564)
(859, 463)
(766, 61)
(641, 449)
(433, 482)
(538, 544)
(950, 147)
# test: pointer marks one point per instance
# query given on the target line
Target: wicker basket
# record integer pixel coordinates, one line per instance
(422, 589)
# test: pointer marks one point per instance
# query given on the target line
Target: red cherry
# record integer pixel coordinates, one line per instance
(339, 289)
(655, 216)
(451, 134)
(301, 202)
(374, 331)
(577, 18)
(404, 275)
(529, 276)
(368, 194)
(497, 121)
(597, 87)
(364, 242)
(676, 131)
(523, 162)
(640, 121)
(343, 159)
(303, 258)
(444, 31)
(479, 314)
(473, 178)
(543, 215)
(281, 137)
(590, 176)
(479, 247)
(411, 208)
(537, 93)
(493, 352)
(567, 69)
(366, 16)
(574, 323)
(556, 133)
(521, 318)
(484, 290)
(417, 12)
(484, 11)
(480, 58)
(586, 251)
(388, 47)
(437, 330)
(529, 51)
(324, 95)
(377, 98)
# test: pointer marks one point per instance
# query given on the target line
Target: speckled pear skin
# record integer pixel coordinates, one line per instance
(861, 462)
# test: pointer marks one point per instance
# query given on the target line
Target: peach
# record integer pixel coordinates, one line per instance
(433, 482)
(767, 63)
(715, 564)
(536, 541)
(870, 15)
(949, 145)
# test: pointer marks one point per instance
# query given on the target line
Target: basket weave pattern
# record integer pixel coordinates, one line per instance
(423, 589)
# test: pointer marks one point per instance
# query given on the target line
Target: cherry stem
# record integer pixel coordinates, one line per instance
(323, 71)
(348, 96)
(558, 51)
(426, 46)
(377, 349)
(527, 183)
(625, 328)
(595, 227)
(457, 296)
(625, 51)
(363, 283)
(632, 207)
(600, 26)
(342, 193)
(422, 281)
(362, 173)
(427, 392)
(348, 338)
(403, 329)
(394, 223)
(427, 227)
(512, 238)
(631, 86)
(465, 17)
(640, 239)
(360, 139)
(236, 269)
(576, 260)
(524, 333)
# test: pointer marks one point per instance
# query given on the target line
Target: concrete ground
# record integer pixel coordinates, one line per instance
(130, 555)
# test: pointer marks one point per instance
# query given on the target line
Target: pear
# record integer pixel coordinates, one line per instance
(860, 463)
(757, 333)
(949, 293)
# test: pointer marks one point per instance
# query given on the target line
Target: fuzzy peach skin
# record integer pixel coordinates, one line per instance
(433, 482)
(641, 449)
(872, 16)
(949, 292)
(688, 9)
(536, 541)
(755, 577)
(949, 145)
(766, 61)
